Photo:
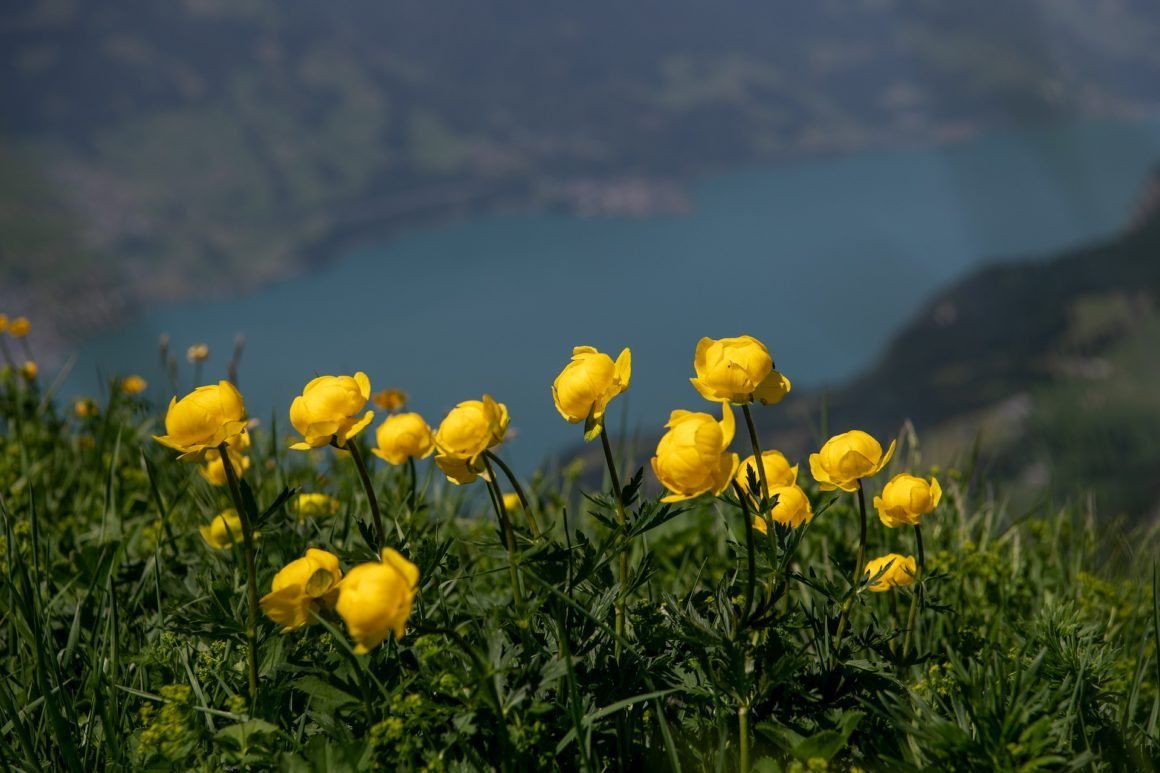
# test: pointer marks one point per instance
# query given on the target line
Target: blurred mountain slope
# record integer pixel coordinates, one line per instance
(203, 146)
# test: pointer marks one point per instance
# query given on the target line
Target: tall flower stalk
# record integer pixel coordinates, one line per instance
(251, 572)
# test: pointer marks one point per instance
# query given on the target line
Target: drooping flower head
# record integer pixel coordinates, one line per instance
(466, 432)
(792, 509)
(404, 436)
(899, 573)
(329, 408)
(214, 469)
(224, 530)
(737, 370)
(315, 505)
(133, 385)
(778, 471)
(587, 384)
(905, 499)
(390, 400)
(847, 458)
(19, 327)
(375, 599)
(301, 588)
(692, 458)
(204, 419)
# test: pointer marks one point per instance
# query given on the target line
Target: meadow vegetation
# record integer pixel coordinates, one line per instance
(450, 616)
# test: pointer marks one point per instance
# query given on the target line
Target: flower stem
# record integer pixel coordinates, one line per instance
(413, 480)
(743, 731)
(859, 568)
(759, 463)
(912, 618)
(507, 471)
(751, 551)
(506, 526)
(360, 463)
(251, 573)
(618, 497)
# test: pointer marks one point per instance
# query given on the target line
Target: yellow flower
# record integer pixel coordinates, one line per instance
(792, 509)
(19, 327)
(511, 502)
(133, 385)
(737, 370)
(847, 458)
(588, 383)
(204, 419)
(692, 457)
(900, 573)
(85, 407)
(467, 431)
(197, 353)
(224, 530)
(777, 471)
(390, 399)
(375, 599)
(328, 408)
(301, 588)
(905, 499)
(29, 370)
(310, 505)
(403, 436)
(3, 323)
(214, 470)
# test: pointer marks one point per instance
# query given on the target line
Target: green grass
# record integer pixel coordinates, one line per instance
(122, 634)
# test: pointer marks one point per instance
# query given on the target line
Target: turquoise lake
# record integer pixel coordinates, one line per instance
(823, 260)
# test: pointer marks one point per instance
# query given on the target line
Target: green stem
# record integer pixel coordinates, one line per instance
(859, 568)
(618, 497)
(758, 461)
(743, 731)
(912, 618)
(763, 477)
(365, 477)
(507, 471)
(751, 550)
(413, 480)
(251, 573)
(506, 526)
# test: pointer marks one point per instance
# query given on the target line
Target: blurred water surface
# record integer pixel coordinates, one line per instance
(822, 260)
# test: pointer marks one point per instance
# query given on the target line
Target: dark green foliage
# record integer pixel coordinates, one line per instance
(122, 641)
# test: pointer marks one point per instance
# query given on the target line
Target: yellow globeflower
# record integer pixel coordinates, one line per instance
(588, 383)
(312, 505)
(85, 407)
(777, 471)
(224, 530)
(19, 327)
(375, 599)
(204, 419)
(792, 509)
(403, 436)
(328, 408)
(133, 385)
(301, 588)
(905, 499)
(511, 502)
(900, 573)
(847, 458)
(197, 353)
(468, 430)
(214, 470)
(737, 370)
(692, 457)
(29, 370)
(3, 323)
(390, 399)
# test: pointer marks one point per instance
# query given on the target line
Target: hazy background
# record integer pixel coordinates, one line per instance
(931, 211)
